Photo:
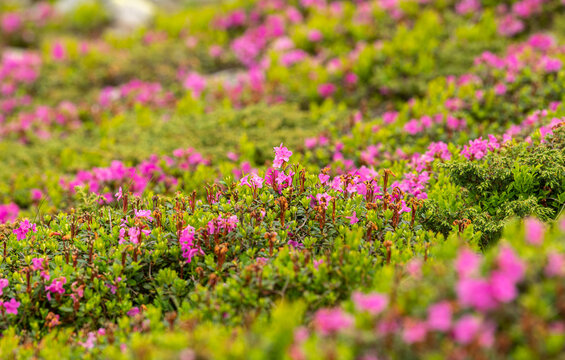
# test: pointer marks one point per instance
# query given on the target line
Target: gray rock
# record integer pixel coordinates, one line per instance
(131, 13)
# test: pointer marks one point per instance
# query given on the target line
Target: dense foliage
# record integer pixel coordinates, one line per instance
(283, 179)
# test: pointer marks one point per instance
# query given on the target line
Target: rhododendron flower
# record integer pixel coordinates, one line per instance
(510, 26)
(187, 242)
(551, 65)
(11, 22)
(327, 321)
(90, 341)
(8, 212)
(414, 267)
(56, 287)
(195, 83)
(133, 311)
(535, 231)
(466, 329)
(317, 263)
(413, 127)
(353, 218)
(414, 331)
(36, 194)
(439, 316)
(315, 35)
(11, 306)
(145, 214)
(502, 287)
(24, 228)
(323, 178)
(37, 263)
(323, 199)
(510, 264)
(351, 79)
(372, 303)
(134, 234)
(555, 265)
(326, 90)
(390, 117)
(119, 194)
(58, 52)
(282, 155)
(476, 293)
(467, 6)
(467, 263)
(3, 283)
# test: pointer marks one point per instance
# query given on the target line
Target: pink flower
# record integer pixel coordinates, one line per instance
(475, 293)
(414, 331)
(439, 316)
(36, 194)
(509, 26)
(282, 155)
(327, 321)
(353, 218)
(467, 6)
(414, 267)
(56, 287)
(390, 117)
(534, 231)
(315, 35)
(90, 341)
(413, 127)
(133, 311)
(58, 51)
(502, 287)
(37, 263)
(466, 329)
(510, 264)
(323, 178)
(351, 78)
(3, 283)
(8, 212)
(500, 89)
(195, 83)
(11, 306)
(555, 265)
(134, 234)
(188, 246)
(317, 263)
(467, 263)
(119, 194)
(11, 22)
(372, 303)
(143, 214)
(24, 228)
(326, 90)
(551, 65)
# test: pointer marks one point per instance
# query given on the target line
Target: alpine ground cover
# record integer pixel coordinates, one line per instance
(287, 178)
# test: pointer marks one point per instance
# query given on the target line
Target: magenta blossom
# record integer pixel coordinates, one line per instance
(353, 218)
(282, 155)
(466, 329)
(372, 303)
(3, 283)
(188, 244)
(133, 311)
(414, 331)
(534, 231)
(11, 306)
(24, 228)
(327, 321)
(467, 263)
(439, 316)
(326, 90)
